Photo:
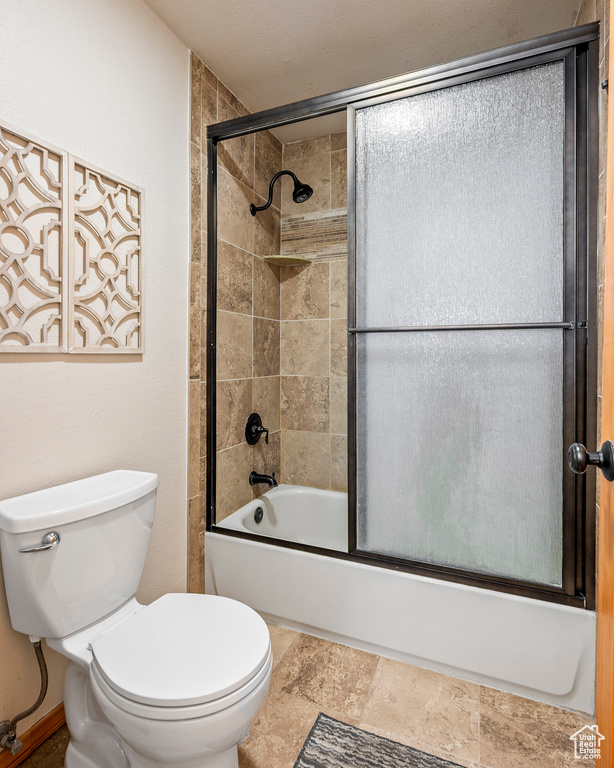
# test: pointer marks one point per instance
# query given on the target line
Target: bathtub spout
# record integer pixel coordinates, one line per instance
(256, 479)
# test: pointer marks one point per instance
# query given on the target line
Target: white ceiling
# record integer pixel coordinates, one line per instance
(271, 52)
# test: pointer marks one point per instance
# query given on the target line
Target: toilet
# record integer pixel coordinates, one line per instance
(174, 683)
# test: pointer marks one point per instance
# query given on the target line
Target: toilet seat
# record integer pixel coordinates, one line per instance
(101, 688)
(184, 655)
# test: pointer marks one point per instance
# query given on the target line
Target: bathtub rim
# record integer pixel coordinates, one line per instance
(442, 573)
(284, 489)
(585, 673)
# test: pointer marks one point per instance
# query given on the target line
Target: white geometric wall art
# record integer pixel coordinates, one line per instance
(71, 268)
(105, 262)
(32, 245)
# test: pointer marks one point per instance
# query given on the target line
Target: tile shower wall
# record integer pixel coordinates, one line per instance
(314, 317)
(248, 310)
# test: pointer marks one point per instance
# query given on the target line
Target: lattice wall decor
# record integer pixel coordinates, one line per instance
(106, 263)
(71, 272)
(32, 245)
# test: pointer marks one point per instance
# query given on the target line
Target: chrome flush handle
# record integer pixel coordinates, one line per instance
(49, 541)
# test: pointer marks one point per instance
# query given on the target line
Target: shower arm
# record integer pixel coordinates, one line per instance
(254, 209)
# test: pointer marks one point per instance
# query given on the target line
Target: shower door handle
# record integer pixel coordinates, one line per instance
(579, 459)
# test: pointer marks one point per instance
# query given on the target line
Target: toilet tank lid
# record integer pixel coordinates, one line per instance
(71, 502)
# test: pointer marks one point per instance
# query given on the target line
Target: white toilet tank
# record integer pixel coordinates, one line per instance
(103, 523)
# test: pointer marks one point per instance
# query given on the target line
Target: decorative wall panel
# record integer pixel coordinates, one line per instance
(70, 253)
(321, 235)
(106, 263)
(32, 245)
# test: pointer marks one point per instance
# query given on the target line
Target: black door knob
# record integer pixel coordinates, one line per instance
(579, 459)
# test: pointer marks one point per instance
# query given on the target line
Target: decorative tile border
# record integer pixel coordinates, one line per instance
(319, 235)
(71, 271)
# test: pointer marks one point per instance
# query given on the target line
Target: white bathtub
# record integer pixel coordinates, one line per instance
(541, 650)
(299, 514)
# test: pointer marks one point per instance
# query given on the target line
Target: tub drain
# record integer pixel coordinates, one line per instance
(258, 515)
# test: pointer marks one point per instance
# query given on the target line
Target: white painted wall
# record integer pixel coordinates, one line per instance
(107, 81)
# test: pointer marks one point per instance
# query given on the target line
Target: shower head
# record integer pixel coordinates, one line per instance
(301, 193)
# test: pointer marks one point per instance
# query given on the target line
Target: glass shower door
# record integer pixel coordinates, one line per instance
(463, 315)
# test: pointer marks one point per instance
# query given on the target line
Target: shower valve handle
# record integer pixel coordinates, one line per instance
(580, 459)
(254, 430)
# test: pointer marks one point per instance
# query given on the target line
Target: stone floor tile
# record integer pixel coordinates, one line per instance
(281, 639)
(520, 733)
(278, 732)
(417, 744)
(427, 710)
(330, 675)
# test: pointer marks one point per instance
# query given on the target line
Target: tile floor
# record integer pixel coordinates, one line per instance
(469, 724)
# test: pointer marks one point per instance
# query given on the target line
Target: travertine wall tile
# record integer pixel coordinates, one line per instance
(229, 97)
(266, 459)
(234, 339)
(235, 224)
(310, 161)
(234, 404)
(313, 353)
(338, 179)
(233, 489)
(194, 438)
(195, 313)
(208, 77)
(338, 141)
(305, 347)
(306, 458)
(266, 347)
(196, 546)
(267, 228)
(266, 401)
(234, 278)
(338, 348)
(248, 299)
(338, 405)
(266, 289)
(305, 292)
(195, 202)
(305, 403)
(208, 106)
(339, 289)
(338, 463)
(195, 89)
(267, 164)
(587, 12)
(235, 155)
(321, 235)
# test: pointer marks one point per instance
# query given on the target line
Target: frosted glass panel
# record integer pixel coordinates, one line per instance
(459, 449)
(459, 203)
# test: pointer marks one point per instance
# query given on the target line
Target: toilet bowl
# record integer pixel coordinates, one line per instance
(175, 683)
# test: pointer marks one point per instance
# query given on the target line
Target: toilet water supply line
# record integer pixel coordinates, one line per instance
(8, 728)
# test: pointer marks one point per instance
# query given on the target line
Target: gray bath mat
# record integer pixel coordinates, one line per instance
(332, 744)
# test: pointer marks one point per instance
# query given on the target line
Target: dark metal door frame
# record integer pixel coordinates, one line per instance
(578, 48)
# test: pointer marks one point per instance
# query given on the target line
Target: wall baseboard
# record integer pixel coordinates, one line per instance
(34, 737)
